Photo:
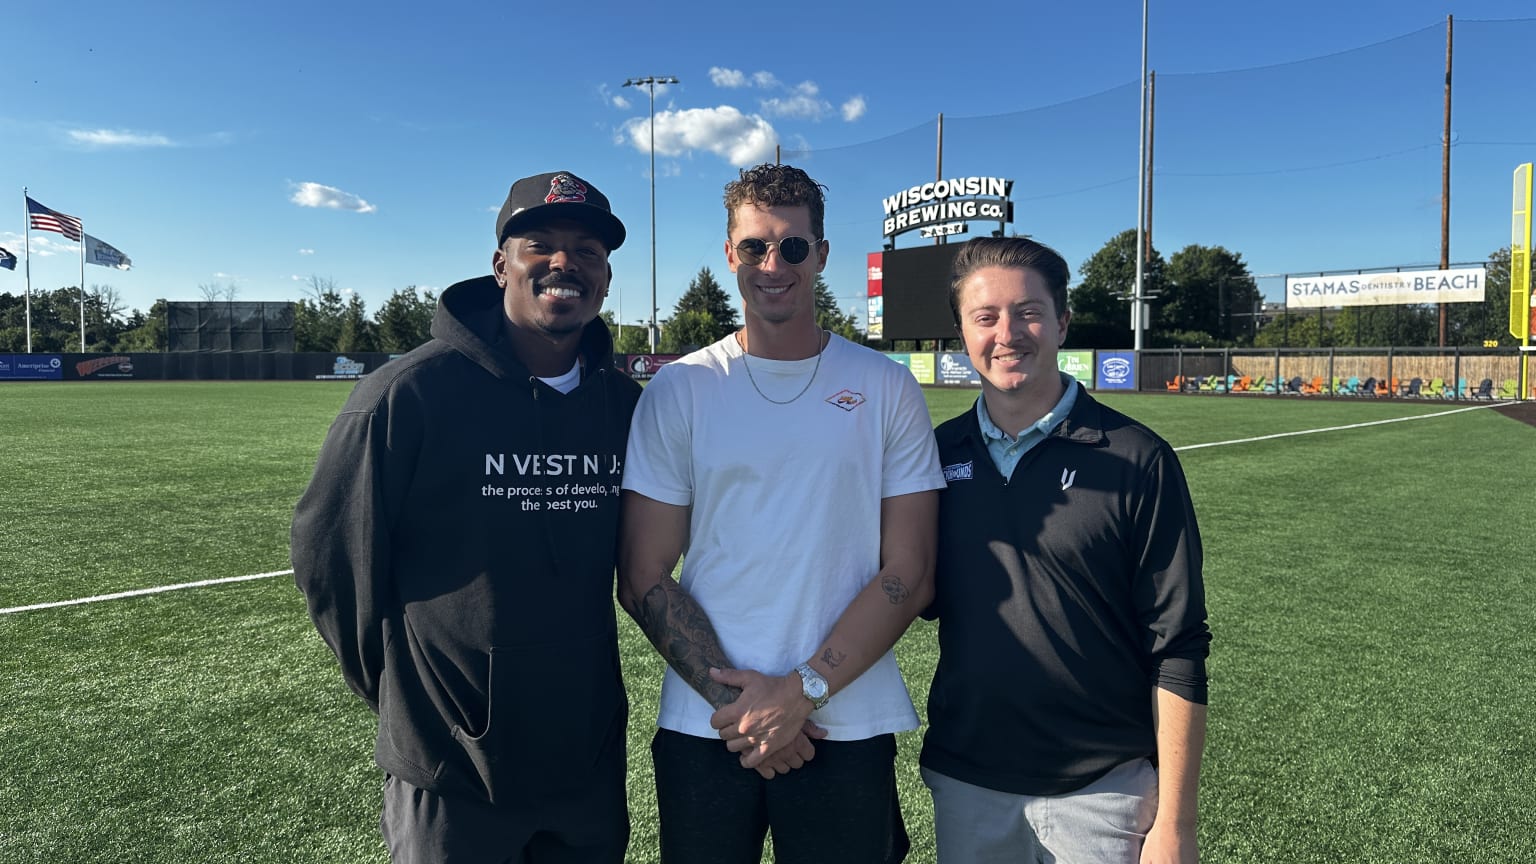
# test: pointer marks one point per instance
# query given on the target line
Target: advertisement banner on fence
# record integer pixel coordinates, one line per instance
(1078, 364)
(922, 367)
(642, 366)
(344, 368)
(1117, 370)
(957, 369)
(1386, 289)
(34, 367)
(110, 366)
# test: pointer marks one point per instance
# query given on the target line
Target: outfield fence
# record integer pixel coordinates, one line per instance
(1446, 373)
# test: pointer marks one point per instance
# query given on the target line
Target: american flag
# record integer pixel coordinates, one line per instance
(7, 260)
(44, 219)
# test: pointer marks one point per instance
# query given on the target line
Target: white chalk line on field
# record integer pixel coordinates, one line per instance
(206, 582)
(1338, 428)
(140, 592)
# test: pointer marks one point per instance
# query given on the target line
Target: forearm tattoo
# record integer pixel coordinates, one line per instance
(833, 659)
(680, 630)
(895, 591)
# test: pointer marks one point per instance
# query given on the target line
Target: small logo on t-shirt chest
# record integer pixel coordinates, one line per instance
(846, 399)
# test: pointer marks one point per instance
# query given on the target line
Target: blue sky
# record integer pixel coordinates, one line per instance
(371, 144)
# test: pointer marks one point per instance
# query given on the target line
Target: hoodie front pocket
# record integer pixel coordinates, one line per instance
(556, 711)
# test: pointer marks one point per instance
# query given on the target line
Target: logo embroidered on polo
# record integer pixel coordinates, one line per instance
(959, 471)
(846, 399)
(1068, 477)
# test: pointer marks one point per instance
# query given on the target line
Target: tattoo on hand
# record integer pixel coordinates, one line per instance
(680, 630)
(833, 659)
(895, 591)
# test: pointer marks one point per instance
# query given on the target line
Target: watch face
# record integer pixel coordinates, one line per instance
(812, 684)
(816, 687)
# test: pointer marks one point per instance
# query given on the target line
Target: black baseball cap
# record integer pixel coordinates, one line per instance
(559, 195)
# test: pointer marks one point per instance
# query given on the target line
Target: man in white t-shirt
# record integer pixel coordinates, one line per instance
(795, 472)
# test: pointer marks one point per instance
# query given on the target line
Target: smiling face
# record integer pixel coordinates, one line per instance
(776, 293)
(1011, 329)
(553, 278)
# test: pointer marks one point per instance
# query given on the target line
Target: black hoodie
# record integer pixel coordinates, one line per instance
(456, 549)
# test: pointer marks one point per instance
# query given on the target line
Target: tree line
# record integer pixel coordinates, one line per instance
(327, 319)
(705, 313)
(1202, 296)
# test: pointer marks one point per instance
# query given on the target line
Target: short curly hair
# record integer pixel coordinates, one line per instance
(775, 185)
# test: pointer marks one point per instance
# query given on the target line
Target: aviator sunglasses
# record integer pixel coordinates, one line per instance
(793, 250)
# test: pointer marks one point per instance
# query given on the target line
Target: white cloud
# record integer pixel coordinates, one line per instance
(118, 138)
(731, 78)
(223, 276)
(614, 99)
(735, 78)
(306, 251)
(800, 107)
(740, 139)
(45, 244)
(803, 103)
(854, 108)
(319, 195)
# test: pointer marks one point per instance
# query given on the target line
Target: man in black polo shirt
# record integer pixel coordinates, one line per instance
(1067, 714)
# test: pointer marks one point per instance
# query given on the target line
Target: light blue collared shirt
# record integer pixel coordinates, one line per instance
(1006, 450)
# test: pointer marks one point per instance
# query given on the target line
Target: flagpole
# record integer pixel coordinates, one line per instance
(26, 229)
(82, 286)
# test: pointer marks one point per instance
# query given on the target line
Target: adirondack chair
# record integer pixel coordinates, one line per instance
(1313, 387)
(1208, 383)
(1435, 388)
(1462, 390)
(1351, 387)
(1368, 387)
(1510, 389)
(1385, 387)
(1176, 384)
(1293, 386)
(1260, 384)
(1415, 388)
(1242, 384)
(1483, 390)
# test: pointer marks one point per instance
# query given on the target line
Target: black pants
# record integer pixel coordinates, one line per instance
(423, 827)
(841, 806)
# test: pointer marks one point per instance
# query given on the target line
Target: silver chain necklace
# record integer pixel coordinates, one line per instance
(817, 368)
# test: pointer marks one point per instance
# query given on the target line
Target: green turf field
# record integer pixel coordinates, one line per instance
(1373, 667)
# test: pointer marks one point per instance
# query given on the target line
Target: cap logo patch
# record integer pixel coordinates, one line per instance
(564, 189)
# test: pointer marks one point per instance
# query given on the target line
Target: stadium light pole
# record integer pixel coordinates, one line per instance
(1137, 308)
(650, 82)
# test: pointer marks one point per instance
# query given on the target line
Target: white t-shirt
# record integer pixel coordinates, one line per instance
(567, 382)
(785, 523)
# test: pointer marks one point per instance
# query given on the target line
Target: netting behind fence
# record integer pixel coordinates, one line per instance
(1362, 128)
(229, 326)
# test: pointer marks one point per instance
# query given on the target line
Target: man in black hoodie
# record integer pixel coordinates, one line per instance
(456, 549)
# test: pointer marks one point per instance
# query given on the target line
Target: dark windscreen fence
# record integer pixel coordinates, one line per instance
(235, 326)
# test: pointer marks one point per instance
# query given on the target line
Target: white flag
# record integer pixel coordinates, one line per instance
(105, 254)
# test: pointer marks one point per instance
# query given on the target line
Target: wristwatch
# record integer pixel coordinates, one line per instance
(813, 686)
